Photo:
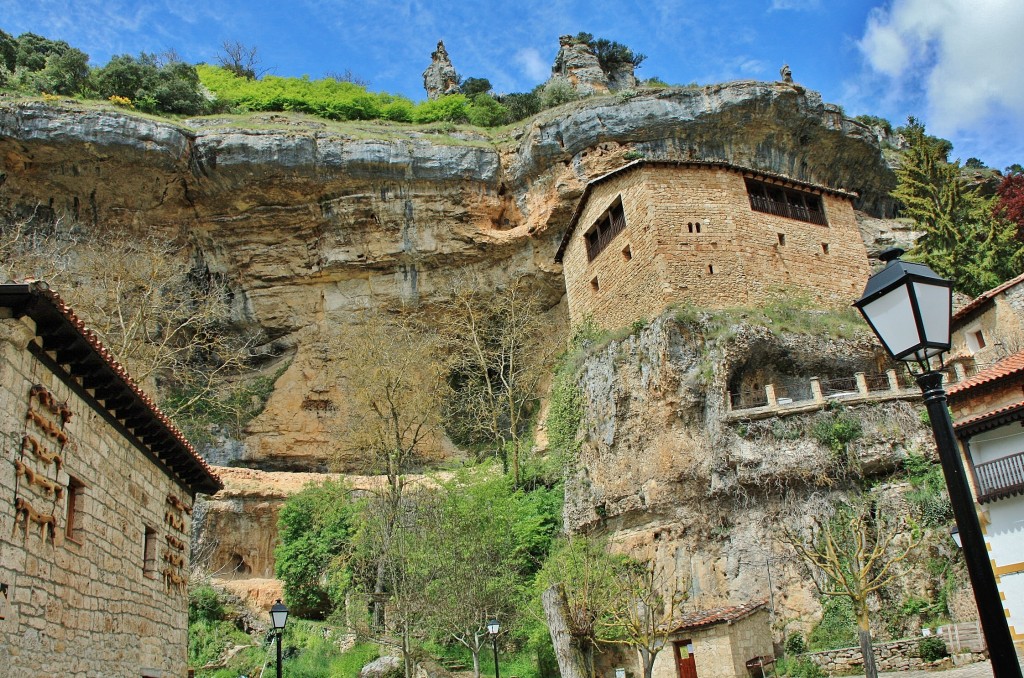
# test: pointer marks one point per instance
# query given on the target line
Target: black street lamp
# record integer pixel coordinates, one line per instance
(492, 628)
(908, 306)
(278, 618)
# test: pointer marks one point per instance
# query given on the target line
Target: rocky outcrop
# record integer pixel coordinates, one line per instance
(440, 78)
(665, 474)
(577, 64)
(310, 221)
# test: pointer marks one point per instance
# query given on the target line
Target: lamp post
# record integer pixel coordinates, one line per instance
(278, 618)
(492, 628)
(908, 306)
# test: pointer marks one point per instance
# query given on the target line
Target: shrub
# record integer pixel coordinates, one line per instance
(932, 648)
(838, 625)
(795, 643)
(557, 92)
(521, 105)
(485, 111)
(798, 668)
(451, 108)
(204, 605)
(836, 430)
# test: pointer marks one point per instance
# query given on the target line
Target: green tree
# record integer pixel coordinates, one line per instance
(962, 238)
(610, 54)
(315, 528)
(473, 86)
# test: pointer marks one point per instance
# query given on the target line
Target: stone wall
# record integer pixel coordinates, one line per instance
(898, 655)
(693, 238)
(722, 650)
(83, 600)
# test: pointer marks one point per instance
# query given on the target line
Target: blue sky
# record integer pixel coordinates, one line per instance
(954, 64)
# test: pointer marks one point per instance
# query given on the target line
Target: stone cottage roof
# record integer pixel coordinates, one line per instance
(711, 164)
(79, 352)
(983, 299)
(719, 615)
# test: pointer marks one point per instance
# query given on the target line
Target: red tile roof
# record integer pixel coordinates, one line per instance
(987, 420)
(1007, 367)
(55, 321)
(984, 298)
(719, 615)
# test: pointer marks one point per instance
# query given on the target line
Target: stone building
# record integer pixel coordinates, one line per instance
(989, 328)
(96, 494)
(709, 234)
(988, 411)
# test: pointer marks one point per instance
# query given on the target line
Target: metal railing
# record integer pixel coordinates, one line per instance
(785, 209)
(1000, 478)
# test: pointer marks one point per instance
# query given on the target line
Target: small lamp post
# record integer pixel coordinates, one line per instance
(278, 618)
(492, 628)
(908, 306)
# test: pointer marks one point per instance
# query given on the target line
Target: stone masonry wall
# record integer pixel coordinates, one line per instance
(81, 604)
(694, 238)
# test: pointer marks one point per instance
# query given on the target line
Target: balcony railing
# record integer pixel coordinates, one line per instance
(1000, 478)
(785, 209)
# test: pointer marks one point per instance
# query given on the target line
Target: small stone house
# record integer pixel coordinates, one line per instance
(988, 414)
(718, 643)
(710, 234)
(989, 328)
(96, 495)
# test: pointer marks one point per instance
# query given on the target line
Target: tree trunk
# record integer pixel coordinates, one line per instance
(476, 663)
(647, 660)
(866, 649)
(554, 604)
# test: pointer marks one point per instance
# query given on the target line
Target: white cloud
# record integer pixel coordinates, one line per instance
(532, 64)
(962, 56)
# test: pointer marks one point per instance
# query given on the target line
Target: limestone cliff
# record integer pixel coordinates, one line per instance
(310, 220)
(671, 471)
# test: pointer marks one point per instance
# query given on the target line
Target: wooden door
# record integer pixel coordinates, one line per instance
(684, 659)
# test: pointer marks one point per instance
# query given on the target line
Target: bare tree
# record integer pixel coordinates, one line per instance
(393, 379)
(855, 551)
(347, 76)
(645, 604)
(240, 59)
(500, 349)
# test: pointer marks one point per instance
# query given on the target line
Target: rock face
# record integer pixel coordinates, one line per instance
(311, 221)
(670, 477)
(577, 64)
(440, 77)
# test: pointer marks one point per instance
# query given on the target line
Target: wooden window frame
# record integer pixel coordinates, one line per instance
(784, 201)
(605, 228)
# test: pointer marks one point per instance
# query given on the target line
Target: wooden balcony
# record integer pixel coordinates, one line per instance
(786, 209)
(1000, 478)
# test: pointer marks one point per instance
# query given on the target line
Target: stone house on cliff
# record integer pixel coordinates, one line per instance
(96, 494)
(988, 411)
(989, 328)
(710, 234)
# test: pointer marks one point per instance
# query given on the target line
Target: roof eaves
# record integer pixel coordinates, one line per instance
(55, 319)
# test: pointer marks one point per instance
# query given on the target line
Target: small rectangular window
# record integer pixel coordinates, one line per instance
(149, 553)
(73, 515)
(627, 253)
(824, 248)
(979, 337)
(782, 238)
(594, 285)
(711, 269)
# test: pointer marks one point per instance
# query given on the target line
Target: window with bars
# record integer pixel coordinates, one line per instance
(609, 225)
(785, 202)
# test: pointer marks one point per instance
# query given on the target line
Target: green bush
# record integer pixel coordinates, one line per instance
(795, 643)
(451, 108)
(838, 625)
(557, 92)
(204, 605)
(798, 668)
(836, 430)
(152, 87)
(932, 648)
(485, 111)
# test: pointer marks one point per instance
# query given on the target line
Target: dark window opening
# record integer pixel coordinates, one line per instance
(594, 285)
(73, 521)
(627, 253)
(711, 269)
(149, 553)
(782, 238)
(697, 226)
(609, 225)
(979, 337)
(689, 227)
(785, 202)
(824, 248)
